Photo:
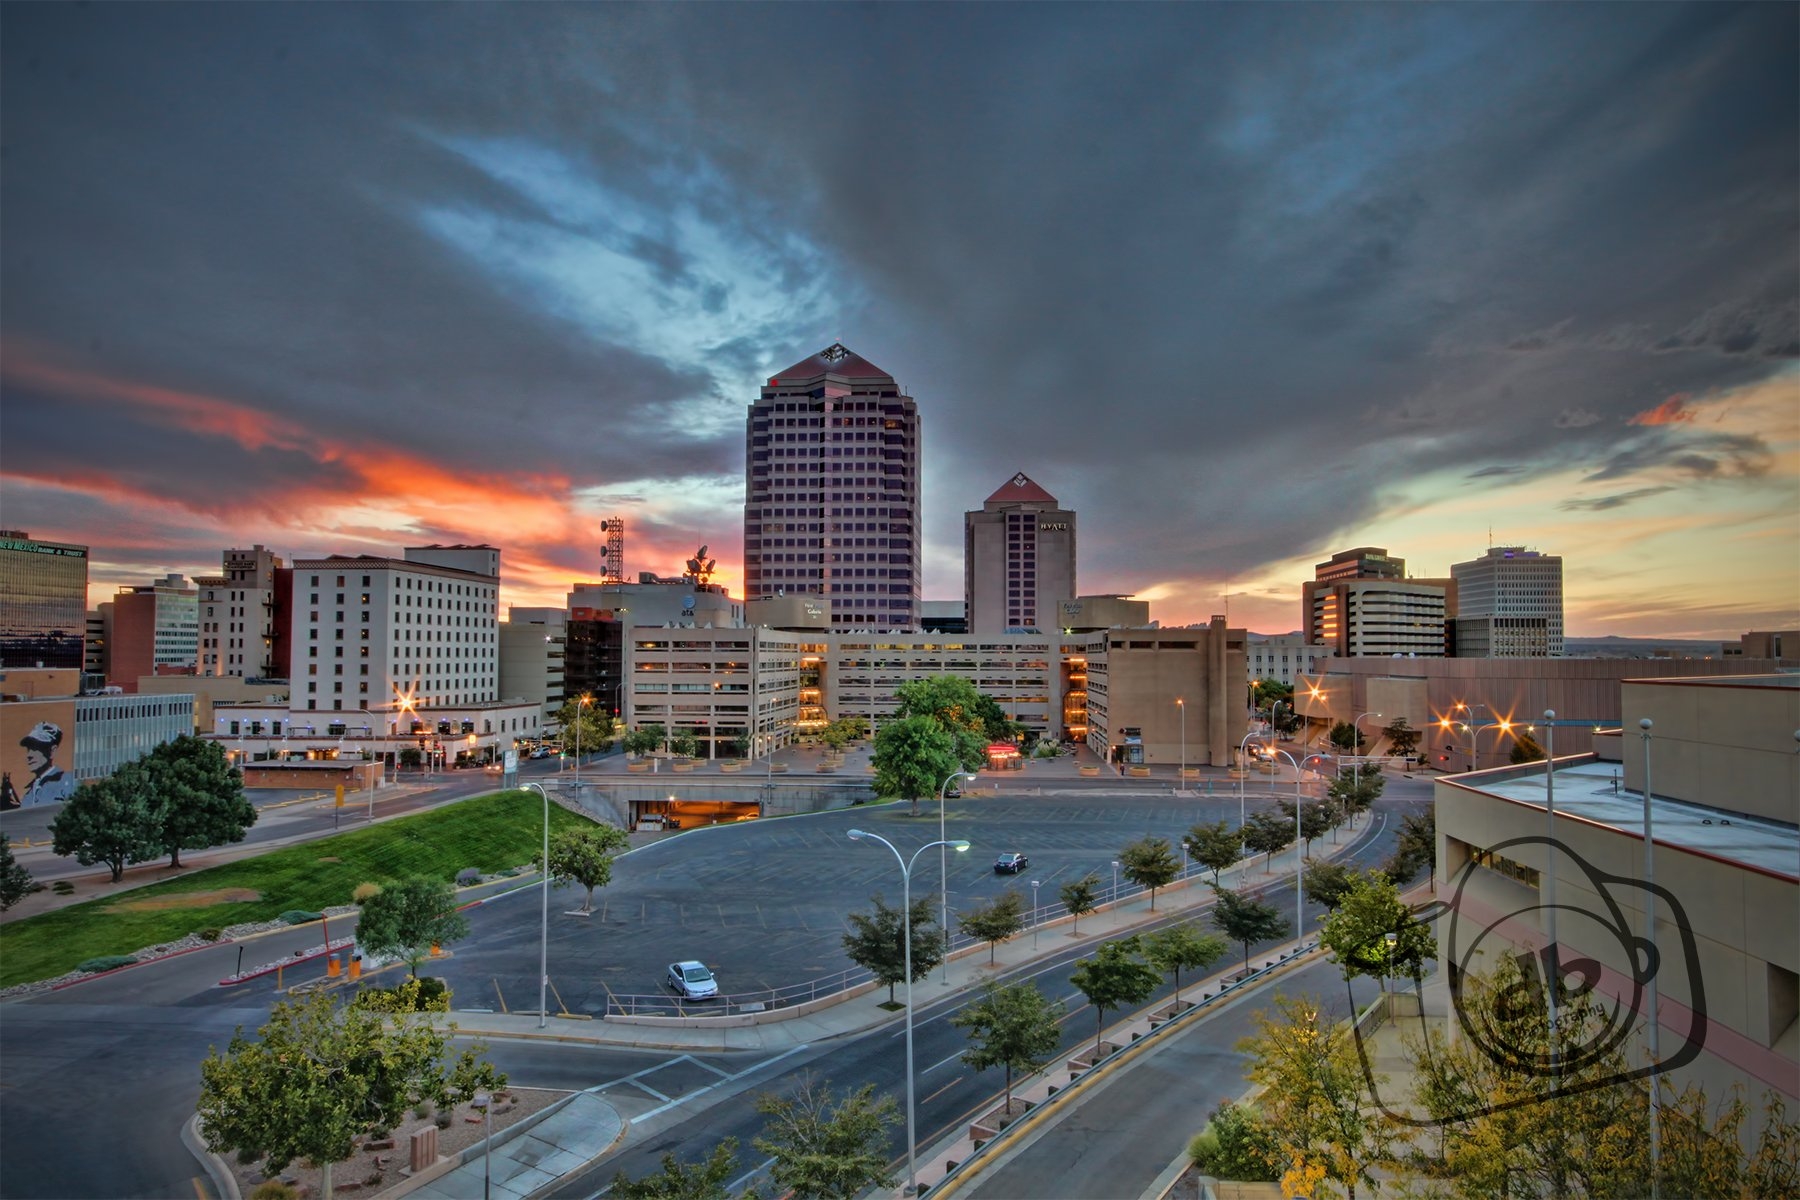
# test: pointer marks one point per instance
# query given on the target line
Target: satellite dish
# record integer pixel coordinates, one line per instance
(687, 602)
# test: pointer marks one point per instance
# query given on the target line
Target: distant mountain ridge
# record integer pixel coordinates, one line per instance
(1626, 647)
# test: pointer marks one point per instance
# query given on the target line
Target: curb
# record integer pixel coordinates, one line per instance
(224, 1182)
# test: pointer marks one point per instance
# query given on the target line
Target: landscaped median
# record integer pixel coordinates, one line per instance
(491, 834)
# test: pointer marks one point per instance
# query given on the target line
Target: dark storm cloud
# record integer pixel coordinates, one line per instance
(1230, 264)
(1700, 455)
(1617, 500)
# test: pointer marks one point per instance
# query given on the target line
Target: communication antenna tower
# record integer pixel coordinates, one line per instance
(612, 555)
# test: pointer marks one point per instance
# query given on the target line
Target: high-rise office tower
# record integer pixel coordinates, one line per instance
(155, 631)
(1018, 559)
(237, 617)
(1510, 604)
(1361, 602)
(43, 602)
(831, 502)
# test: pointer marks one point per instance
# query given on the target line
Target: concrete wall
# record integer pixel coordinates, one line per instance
(356, 776)
(1725, 745)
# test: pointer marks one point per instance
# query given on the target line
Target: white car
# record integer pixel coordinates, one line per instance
(692, 980)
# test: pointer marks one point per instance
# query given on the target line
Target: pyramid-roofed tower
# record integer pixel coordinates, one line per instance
(831, 497)
(1018, 559)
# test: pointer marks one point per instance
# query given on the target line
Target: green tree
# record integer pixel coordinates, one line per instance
(1267, 832)
(972, 719)
(825, 1150)
(1236, 1144)
(1181, 948)
(1267, 691)
(1415, 848)
(318, 1076)
(1372, 932)
(1314, 1101)
(1150, 863)
(1402, 738)
(1012, 1026)
(1315, 822)
(877, 942)
(702, 1180)
(115, 821)
(1214, 846)
(200, 794)
(1345, 736)
(1078, 896)
(685, 744)
(405, 920)
(1356, 788)
(646, 740)
(1526, 749)
(995, 921)
(584, 856)
(595, 727)
(411, 757)
(841, 732)
(16, 882)
(1247, 920)
(912, 757)
(1327, 883)
(737, 747)
(1115, 975)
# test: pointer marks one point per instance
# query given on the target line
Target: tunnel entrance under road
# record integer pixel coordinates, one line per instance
(691, 813)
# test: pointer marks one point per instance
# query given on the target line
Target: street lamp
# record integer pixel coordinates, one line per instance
(544, 939)
(944, 871)
(1242, 771)
(1302, 767)
(1181, 780)
(1551, 969)
(1650, 934)
(1474, 733)
(1299, 912)
(485, 1103)
(580, 718)
(1115, 891)
(1356, 758)
(912, 1145)
(1034, 912)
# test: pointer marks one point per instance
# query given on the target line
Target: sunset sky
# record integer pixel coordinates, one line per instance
(1243, 285)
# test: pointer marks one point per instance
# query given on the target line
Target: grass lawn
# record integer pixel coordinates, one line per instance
(491, 833)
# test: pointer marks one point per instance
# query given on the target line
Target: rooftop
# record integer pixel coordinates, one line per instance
(1592, 791)
(835, 359)
(1021, 489)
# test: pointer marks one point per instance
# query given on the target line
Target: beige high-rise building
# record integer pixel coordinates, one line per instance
(1018, 559)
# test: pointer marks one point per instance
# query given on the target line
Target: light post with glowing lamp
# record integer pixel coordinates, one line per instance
(912, 1145)
(544, 936)
(580, 719)
(1652, 1023)
(944, 871)
(1181, 780)
(1320, 758)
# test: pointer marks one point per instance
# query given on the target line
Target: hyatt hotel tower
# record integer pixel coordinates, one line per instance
(831, 501)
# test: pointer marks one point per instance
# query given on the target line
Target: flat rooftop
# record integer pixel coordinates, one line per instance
(1595, 791)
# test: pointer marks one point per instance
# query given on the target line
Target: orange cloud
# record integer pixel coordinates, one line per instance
(1673, 411)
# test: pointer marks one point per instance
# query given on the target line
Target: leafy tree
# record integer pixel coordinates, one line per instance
(1236, 1144)
(1327, 883)
(737, 747)
(1116, 975)
(827, 1151)
(1402, 738)
(1266, 832)
(1315, 822)
(1247, 920)
(1012, 1026)
(685, 744)
(595, 727)
(411, 757)
(646, 740)
(1416, 848)
(912, 757)
(318, 1076)
(1314, 1101)
(1356, 788)
(996, 921)
(1267, 691)
(1357, 932)
(200, 795)
(1179, 948)
(115, 821)
(1150, 863)
(841, 732)
(877, 942)
(703, 1180)
(1078, 897)
(584, 856)
(972, 719)
(16, 882)
(1526, 749)
(405, 920)
(1345, 736)
(1215, 846)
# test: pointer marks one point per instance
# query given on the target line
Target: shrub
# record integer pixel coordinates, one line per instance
(364, 891)
(1236, 1145)
(467, 876)
(421, 1111)
(211, 935)
(274, 1189)
(299, 916)
(424, 994)
(246, 1156)
(63, 887)
(106, 963)
(442, 1120)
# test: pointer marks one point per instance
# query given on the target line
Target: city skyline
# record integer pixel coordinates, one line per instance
(1243, 286)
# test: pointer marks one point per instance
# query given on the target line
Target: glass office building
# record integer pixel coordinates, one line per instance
(43, 602)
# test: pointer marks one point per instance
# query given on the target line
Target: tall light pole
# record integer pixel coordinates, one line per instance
(1356, 758)
(1299, 897)
(1034, 912)
(1650, 933)
(1474, 733)
(544, 936)
(1181, 780)
(485, 1103)
(912, 1144)
(1243, 770)
(580, 719)
(944, 872)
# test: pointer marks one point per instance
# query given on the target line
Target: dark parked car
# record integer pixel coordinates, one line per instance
(1010, 864)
